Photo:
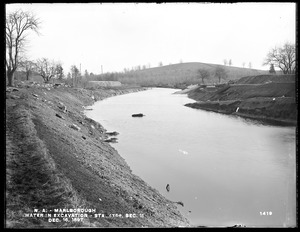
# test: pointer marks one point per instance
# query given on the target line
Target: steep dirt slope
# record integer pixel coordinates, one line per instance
(57, 159)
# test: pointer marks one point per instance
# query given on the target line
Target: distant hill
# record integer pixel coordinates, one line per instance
(184, 73)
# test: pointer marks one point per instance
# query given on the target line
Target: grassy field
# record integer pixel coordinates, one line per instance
(267, 97)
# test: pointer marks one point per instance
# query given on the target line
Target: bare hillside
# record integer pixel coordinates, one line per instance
(184, 73)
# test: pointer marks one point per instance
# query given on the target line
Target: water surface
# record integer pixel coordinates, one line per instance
(225, 169)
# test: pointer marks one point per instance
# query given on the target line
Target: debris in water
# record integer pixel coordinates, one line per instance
(168, 187)
(138, 115)
(180, 203)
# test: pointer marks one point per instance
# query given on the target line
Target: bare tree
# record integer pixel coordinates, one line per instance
(28, 66)
(203, 74)
(272, 69)
(75, 74)
(160, 64)
(86, 74)
(16, 26)
(250, 65)
(244, 64)
(46, 69)
(220, 73)
(283, 58)
(230, 62)
(225, 62)
(59, 71)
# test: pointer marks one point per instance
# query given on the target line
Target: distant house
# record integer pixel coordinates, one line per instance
(98, 84)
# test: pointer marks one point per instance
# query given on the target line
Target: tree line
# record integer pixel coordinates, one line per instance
(219, 73)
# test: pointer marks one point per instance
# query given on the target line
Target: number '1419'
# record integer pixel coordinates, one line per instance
(265, 213)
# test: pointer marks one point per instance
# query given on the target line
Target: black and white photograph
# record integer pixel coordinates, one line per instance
(150, 115)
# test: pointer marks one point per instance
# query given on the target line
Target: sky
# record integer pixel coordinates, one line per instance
(109, 37)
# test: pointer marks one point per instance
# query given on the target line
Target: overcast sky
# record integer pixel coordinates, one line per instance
(119, 36)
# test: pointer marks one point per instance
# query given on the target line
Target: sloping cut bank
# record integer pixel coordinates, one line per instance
(268, 98)
(56, 160)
